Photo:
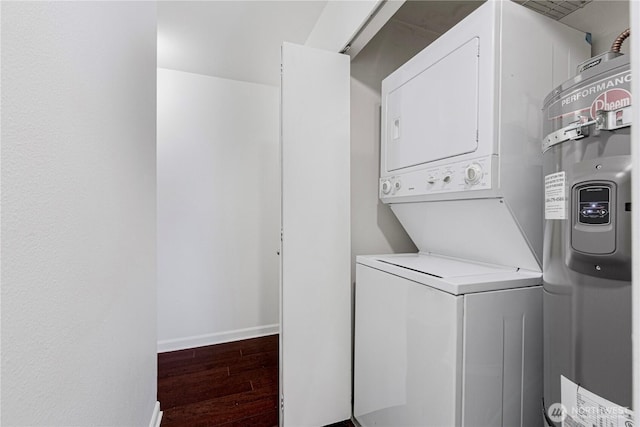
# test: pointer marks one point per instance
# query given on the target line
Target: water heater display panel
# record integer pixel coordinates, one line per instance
(434, 115)
(594, 205)
(594, 223)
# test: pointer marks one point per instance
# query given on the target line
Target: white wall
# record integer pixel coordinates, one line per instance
(605, 20)
(218, 209)
(232, 39)
(78, 213)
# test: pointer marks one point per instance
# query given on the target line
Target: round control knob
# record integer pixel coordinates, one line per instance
(447, 179)
(431, 180)
(473, 173)
(386, 187)
(397, 185)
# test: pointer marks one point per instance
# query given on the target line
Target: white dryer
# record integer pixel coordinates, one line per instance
(452, 336)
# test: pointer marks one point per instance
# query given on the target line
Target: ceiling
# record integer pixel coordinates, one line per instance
(556, 9)
(435, 17)
(241, 40)
(237, 40)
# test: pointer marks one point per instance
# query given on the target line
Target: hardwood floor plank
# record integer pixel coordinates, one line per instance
(230, 384)
(200, 363)
(224, 351)
(203, 389)
(253, 361)
(178, 355)
(262, 377)
(224, 409)
(184, 380)
(268, 343)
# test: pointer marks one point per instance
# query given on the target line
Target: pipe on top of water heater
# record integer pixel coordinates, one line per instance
(617, 44)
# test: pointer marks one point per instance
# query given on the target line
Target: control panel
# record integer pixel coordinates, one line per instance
(594, 224)
(468, 175)
(600, 238)
(593, 205)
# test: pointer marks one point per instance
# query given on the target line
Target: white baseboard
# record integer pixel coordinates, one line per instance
(216, 338)
(156, 417)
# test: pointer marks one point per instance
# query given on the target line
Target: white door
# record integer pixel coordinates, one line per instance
(315, 310)
(424, 128)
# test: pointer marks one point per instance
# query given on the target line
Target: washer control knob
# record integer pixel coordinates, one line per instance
(447, 178)
(473, 174)
(396, 186)
(431, 180)
(386, 187)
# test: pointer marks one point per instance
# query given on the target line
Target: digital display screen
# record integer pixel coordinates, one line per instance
(594, 205)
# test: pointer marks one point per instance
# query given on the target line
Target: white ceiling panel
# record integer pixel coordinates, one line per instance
(556, 9)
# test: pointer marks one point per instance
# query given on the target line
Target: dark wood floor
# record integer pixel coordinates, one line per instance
(232, 385)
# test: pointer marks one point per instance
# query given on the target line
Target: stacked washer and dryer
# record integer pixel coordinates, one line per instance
(452, 335)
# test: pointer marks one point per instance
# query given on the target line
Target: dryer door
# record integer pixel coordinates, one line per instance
(434, 115)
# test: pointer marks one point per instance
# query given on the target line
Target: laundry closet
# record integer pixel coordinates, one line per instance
(451, 332)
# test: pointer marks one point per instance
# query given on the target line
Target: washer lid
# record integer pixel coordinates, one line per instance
(453, 275)
(442, 267)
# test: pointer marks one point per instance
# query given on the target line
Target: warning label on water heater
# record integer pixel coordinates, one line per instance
(582, 408)
(555, 196)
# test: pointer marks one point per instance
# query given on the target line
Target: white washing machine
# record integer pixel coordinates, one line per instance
(452, 336)
(446, 342)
